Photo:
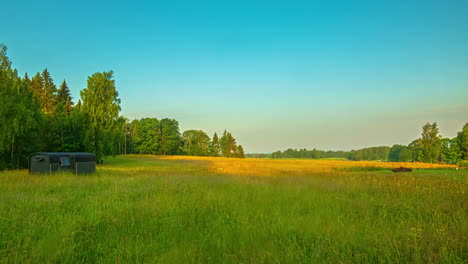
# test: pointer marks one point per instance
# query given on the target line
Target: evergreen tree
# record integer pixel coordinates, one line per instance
(64, 97)
(231, 145)
(224, 144)
(215, 148)
(240, 152)
(49, 92)
(36, 87)
(26, 80)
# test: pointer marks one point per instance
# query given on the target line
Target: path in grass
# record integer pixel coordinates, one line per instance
(207, 210)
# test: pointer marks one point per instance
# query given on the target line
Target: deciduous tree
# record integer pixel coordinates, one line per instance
(102, 105)
(431, 142)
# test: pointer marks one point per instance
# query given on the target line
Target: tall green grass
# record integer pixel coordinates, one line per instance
(138, 209)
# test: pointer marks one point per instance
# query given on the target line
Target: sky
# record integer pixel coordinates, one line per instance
(334, 75)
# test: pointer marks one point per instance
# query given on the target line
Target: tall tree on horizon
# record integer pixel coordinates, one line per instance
(36, 87)
(223, 144)
(431, 142)
(196, 143)
(64, 97)
(450, 152)
(169, 139)
(102, 105)
(215, 148)
(240, 152)
(462, 137)
(146, 136)
(49, 92)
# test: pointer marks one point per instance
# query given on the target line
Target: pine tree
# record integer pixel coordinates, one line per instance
(240, 152)
(215, 148)
(49, 92)
(36, 87)
(231, 145)
(64, 97)
(223, 144)
(26, 80)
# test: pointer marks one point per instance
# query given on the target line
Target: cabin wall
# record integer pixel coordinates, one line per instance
(85, 167)
(39, 167)
(51, 164)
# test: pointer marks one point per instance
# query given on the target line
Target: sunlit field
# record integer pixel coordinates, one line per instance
(146, 209)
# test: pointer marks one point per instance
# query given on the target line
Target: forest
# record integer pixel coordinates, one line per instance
(38, 116)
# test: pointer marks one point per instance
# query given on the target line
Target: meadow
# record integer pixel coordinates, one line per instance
(150, 209)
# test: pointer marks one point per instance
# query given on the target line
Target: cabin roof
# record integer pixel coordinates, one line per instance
(80, 156)
(65, 153)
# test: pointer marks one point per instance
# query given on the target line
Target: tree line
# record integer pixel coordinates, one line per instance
(431, 147)
(36, 115)
(372, 153)
(162, 137)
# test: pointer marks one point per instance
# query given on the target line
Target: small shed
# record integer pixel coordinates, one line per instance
(48, 162)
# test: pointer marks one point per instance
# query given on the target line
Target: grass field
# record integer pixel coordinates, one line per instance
(144, 209)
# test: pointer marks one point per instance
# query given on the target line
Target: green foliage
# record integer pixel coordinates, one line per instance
(450, 152)
(64, 97)
(102, 105)
(196, 143)
(228, 145)
(400, 153)
(416, 149)
(240, 152)
(431, 143)
(19, 115)
(372, 153)
(463, 141)
(146, 136)
(48, 93)
(405, 154)
(170, 140)
(215, 149)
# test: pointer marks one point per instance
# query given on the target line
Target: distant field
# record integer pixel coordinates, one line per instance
(146, 209)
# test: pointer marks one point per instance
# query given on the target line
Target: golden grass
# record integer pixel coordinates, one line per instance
(272, 167)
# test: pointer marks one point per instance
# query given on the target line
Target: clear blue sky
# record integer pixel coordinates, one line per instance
(278, 74)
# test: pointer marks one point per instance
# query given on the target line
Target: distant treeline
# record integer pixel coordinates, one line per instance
(430, 147)
(373, 153)
(36, 116)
